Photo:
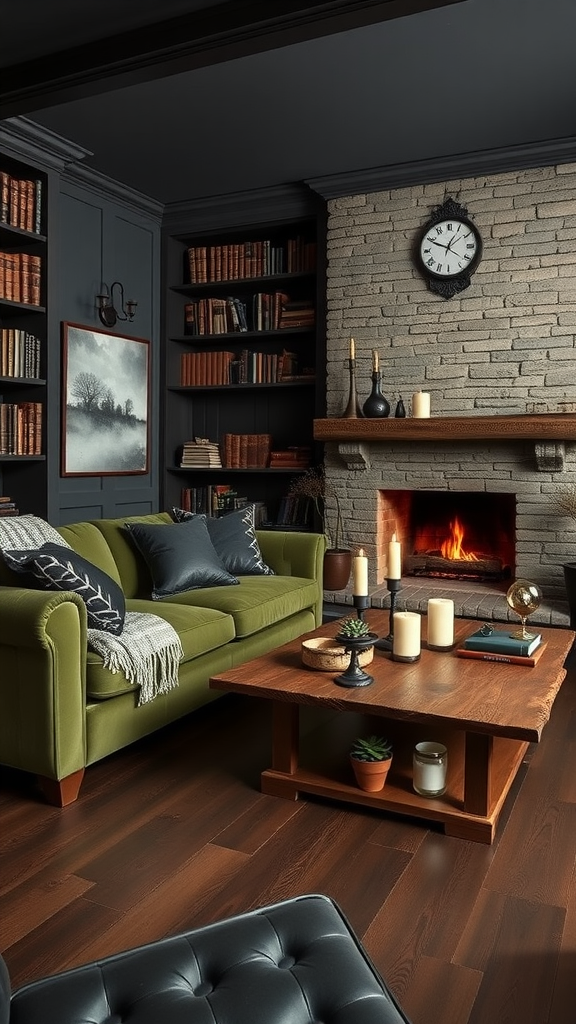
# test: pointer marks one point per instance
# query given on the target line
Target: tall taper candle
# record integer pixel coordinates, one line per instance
(375, 361)
(352, 348)
(360, 574)
(394, 559)
(440, 622)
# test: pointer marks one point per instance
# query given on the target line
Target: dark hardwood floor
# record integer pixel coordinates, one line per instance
(174, 833)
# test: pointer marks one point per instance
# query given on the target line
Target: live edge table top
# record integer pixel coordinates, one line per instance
(479, 696)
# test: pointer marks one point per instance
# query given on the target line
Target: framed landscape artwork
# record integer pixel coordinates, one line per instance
(105, 402)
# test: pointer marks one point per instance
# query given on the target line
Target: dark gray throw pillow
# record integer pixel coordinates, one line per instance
(180, 556)
(234, 537)
(56, 567)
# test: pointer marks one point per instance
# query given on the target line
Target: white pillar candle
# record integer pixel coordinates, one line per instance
(394, 559)
(440, 622)
(421, 405)
(360, 574)
(406, 642)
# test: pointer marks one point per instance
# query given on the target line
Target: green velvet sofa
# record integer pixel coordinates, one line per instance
(62, 710)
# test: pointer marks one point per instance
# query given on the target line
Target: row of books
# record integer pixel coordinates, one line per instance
(246, 260)
(20, 428)
(20, 277)
(8, 507)
(246, 451)
(295, 457)
(265, 311)
(19, 353)
(295, 511)
(20, 202)
(218, 368)
(217, 500)
(490, 644)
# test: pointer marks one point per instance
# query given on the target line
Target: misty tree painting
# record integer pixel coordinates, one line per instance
(105, 403)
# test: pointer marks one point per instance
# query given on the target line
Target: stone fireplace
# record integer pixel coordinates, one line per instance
(498, 360)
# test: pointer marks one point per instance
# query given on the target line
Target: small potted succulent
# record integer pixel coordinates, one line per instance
(371, 758)
(354, 629)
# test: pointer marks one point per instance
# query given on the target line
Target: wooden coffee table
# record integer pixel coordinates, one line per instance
(487, 713)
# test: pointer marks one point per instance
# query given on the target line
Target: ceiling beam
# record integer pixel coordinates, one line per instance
(236, 28)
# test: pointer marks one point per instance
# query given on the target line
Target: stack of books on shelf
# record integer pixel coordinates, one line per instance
(200, 454)
(294, 457)
(246, 451)
(241, 260)
(8, 507)
(19, 353)
(20, 202)
(489, 644)
(20, 428)
(297, 313)
(20, 275)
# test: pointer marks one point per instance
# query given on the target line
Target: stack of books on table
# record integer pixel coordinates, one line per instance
(502, 645)
(200, 454)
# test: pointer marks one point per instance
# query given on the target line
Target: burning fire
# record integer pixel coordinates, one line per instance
(452, 546)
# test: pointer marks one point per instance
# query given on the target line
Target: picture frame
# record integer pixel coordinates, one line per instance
(105, 402)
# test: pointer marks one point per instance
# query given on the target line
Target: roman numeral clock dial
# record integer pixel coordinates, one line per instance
(449, 249)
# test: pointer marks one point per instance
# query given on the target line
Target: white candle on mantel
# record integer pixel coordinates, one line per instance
(440, 622)
(394, 559)
(407, 628)
(360, 574)
(421, 405)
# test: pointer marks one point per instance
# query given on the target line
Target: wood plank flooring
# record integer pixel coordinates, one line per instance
(174, 833)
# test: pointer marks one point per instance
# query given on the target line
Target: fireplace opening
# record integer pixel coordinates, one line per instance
(455, 535)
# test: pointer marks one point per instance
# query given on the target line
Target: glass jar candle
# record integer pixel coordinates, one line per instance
(429, 764)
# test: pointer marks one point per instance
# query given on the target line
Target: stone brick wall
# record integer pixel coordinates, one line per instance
(506, 345)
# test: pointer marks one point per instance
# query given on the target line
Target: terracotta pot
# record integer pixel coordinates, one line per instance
(370, 775)
(337, 568)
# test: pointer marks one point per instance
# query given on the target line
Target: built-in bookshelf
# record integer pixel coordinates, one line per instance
(23, 329)
(241, 363)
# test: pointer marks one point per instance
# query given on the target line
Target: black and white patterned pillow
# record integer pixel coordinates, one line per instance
(234, 537)
(56, 567)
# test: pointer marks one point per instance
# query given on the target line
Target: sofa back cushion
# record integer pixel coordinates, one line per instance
(131, 566)
(89, 542)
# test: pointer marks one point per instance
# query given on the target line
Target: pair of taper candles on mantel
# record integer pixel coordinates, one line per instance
(420, 399)
(375, 356)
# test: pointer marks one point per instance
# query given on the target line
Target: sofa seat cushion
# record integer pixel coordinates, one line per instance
(200, 630)
(257, 602)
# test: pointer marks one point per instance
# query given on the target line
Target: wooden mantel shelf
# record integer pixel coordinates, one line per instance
(536, 427)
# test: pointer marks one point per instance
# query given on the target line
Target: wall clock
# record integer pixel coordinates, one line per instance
(449, 249)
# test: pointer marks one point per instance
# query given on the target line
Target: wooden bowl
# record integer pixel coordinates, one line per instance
(326, 655)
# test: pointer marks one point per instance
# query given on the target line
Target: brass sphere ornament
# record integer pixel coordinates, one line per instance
(524, 598)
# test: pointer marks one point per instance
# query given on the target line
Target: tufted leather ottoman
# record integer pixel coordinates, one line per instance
(296, 962)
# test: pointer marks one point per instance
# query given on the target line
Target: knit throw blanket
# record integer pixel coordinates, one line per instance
(148, 650)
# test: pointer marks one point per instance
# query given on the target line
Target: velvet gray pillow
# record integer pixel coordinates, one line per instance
(234, 537)
(180, 557)
(55, 567)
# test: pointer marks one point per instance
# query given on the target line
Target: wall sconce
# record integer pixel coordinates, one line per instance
(110, 310)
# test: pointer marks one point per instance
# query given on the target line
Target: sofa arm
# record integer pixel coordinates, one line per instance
(43, 681)
(295, 554)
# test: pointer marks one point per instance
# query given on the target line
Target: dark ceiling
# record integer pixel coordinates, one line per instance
(222, 97)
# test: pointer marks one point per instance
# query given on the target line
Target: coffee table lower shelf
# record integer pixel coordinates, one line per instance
(481, 771)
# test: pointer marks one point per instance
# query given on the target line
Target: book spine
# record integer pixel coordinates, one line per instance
(507, 659)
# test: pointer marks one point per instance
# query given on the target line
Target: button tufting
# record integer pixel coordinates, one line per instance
(204, 989)
(287, 962)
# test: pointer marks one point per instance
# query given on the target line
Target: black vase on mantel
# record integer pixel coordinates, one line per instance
(400, 409)
(376, 405)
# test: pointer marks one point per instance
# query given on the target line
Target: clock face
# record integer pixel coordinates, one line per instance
(450, 248)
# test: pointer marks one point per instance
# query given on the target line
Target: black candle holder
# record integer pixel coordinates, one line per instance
(361, 603)
(385, 643)
(352, 410)
(354, 675)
